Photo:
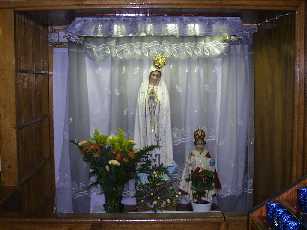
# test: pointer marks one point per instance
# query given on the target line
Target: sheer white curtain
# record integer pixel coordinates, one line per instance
(209, 92)
(61, 157)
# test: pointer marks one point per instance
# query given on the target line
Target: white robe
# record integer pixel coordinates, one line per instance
(153, 122)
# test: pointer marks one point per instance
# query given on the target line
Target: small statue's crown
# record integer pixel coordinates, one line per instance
(199, 137)
(159, 61)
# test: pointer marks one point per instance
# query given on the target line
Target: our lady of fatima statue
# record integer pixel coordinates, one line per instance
(152, 122)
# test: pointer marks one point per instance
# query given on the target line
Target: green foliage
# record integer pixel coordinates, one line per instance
(98, 137)
(202, 182)
(158, 192)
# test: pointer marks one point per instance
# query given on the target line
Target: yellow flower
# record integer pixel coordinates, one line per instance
(131, 141)
(114, 162)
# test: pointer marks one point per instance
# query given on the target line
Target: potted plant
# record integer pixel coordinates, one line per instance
(202, 181)
(112, 161)
(155, 188)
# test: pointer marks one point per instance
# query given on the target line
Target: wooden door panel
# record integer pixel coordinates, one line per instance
(35, 159)
(274, 58)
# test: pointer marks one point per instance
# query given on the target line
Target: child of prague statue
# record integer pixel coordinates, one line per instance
(199, 158)
(152, 120)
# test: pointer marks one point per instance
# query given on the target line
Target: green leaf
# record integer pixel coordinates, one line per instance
(99, 138)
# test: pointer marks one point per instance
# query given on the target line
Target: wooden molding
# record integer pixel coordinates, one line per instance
(79, 4)
(8, 143)
(138, 221)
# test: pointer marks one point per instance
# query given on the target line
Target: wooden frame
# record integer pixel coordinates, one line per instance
(299, 100)
(300, 122)
(137, 4)
(299, 151)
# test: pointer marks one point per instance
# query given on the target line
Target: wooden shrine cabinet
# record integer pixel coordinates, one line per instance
(26, 126)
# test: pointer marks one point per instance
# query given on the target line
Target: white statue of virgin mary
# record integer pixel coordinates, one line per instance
(152, 121)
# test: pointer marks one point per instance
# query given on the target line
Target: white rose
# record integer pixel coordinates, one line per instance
(82, 143)
(114, 162)
(107, 168)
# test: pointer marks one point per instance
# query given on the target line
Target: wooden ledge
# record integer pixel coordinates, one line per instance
(129, 221)
(125, 218)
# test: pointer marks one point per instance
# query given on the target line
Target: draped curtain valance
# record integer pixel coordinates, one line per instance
(205, 36)
(118, 26)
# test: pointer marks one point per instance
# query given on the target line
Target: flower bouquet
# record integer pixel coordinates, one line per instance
(112, 161)
(202, 181)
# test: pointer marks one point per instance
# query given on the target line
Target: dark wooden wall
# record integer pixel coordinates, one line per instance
(274, 60)
(8, 140)
(35, 155)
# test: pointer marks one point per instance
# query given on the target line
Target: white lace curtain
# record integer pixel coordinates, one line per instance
(212, 92)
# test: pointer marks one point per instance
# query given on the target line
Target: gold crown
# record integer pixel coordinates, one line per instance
(159, 61)
(199, 137)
